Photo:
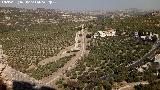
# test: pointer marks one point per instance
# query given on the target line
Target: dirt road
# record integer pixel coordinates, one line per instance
(60, 55)
(130, 86)
(50, 81)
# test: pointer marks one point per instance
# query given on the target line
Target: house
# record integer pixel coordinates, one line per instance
(157, 58)
(144, 67)
(136, 34)
(102, 33)
(140, 69)
(143, 37)
(109, 32)
(156, 63)
(146, 36)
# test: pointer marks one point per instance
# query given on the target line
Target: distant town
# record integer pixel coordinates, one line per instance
(27, 2)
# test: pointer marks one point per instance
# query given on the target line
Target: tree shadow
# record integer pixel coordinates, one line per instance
(3, 87)
(19, 85)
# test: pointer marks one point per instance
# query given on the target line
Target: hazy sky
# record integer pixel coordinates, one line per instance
(91, 4)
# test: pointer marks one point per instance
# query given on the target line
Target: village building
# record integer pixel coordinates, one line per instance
(156, 63)
(140, 69)
(109, 32)
(136, 34)
(146, 36)
(144, 67)
(7, 18)
(157, 58)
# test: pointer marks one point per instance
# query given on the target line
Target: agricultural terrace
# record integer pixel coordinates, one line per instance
(40, 41)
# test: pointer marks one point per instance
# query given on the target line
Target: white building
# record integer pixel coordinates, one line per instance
(146, 35)
(102, 33)
(7, 18)
(157, 58)
(109, 33)
(143, 37)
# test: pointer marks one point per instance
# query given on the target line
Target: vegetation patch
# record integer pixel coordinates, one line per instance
(109, 56)
(46, 70)
(25, 48)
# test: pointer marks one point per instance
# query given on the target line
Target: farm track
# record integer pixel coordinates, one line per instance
(60, 55)
(51, 80)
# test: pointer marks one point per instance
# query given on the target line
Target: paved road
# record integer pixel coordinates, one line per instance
(148, 55)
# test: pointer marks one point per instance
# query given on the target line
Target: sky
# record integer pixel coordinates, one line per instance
(89, 4)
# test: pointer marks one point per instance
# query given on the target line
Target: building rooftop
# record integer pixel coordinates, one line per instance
(157, 58)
